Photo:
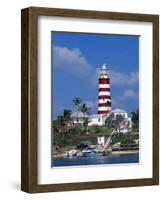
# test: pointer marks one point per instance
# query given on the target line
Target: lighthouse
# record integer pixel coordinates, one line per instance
(104, 98)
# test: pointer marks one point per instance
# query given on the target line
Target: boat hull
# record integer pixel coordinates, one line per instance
(89, 154)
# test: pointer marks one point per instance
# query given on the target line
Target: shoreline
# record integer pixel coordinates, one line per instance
(125, 152)
(111, 153)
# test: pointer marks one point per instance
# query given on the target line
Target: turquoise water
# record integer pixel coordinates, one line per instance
(96, 160)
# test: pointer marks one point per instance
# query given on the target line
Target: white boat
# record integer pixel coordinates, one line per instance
(88, 153)
(71, 153)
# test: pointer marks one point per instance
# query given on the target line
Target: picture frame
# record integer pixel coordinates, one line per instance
(29, 98)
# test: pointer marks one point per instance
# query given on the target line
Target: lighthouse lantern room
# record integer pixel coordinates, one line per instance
(104, 98)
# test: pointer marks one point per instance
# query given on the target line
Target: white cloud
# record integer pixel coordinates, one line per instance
(72, 61)
(116, 78)
(128, 94)
(121, 78)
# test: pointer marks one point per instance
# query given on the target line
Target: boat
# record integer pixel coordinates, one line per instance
(88, 153)
(71, 153)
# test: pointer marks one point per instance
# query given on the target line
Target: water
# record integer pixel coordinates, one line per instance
(96, 160)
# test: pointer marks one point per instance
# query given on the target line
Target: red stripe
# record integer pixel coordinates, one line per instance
(104, 97)
(104, 104)
(104, 90)
(103, 112)
(104, 81)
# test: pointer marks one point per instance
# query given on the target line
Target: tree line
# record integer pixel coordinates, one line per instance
(62, 123)
(118, 122)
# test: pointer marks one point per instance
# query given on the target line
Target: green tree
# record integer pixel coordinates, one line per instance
(135, 120)
(60, 125)
(117, 122)
(77, 102)
(86, 111)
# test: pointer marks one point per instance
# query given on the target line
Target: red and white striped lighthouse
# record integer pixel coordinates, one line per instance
(104, 98)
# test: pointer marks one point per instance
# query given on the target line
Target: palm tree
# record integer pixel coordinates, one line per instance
(77, 102)
(67, 114)
(85, 110)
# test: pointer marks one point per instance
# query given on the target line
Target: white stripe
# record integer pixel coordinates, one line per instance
(104, 108)
(104, 100)
(103, 93)
(104, 76)
(104, 85)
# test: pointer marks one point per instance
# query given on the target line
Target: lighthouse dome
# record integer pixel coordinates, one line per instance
(103, 73)
(104, 66)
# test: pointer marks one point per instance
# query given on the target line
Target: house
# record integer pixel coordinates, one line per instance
(118, 111)
(99, 120)
(78, 118)
(96, 119)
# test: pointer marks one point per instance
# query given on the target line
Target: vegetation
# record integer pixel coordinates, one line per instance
(75, 135)
(60, 125)
(135, 121)
(117, 122)
(86, 111)
(66, 136)
(127, 138)
(77, 102)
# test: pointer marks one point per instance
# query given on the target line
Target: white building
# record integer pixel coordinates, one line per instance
(96, 119)
(78, 118)
(118, 111)
(99, 120)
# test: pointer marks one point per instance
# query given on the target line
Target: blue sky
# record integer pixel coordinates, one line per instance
(76, 59)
